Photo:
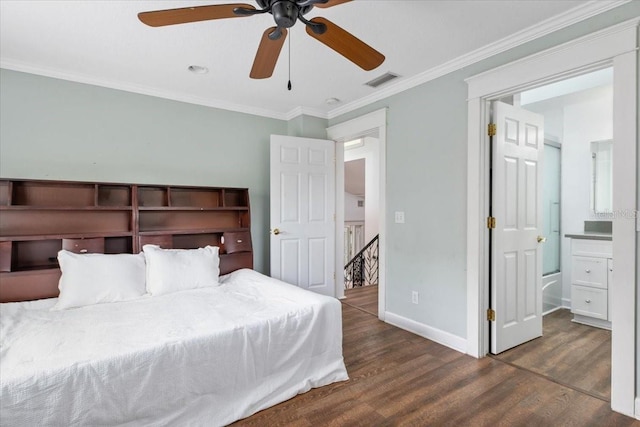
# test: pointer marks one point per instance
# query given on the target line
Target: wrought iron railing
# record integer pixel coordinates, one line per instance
(362, 270)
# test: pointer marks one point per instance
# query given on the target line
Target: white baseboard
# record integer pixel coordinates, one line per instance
(441, 337)
(591, 321)
(552, 310)
(637, 411)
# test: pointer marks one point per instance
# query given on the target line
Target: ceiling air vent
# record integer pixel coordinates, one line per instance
(378, 81)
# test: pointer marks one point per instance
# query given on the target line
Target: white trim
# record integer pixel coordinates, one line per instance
(353, 128)
(299, 111)
(553, 309)
(615, 46)
(339, 239)
(623, 291)
(374, 123)
(570, 17)
(139, 89)
(590, 50)
(438, 335)
(476, 267)
(637, 408)
(591, 321)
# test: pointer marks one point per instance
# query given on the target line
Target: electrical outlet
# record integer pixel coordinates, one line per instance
(415, 297)
(399, 217)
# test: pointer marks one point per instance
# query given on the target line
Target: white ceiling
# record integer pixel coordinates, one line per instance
(103, 43)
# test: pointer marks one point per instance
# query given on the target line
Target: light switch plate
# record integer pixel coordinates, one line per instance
(399, 217)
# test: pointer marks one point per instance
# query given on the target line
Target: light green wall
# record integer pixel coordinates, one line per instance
(426, 178)
(308, 127)
(55, 129)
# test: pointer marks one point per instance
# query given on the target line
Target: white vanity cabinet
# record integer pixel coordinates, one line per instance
(591, 271)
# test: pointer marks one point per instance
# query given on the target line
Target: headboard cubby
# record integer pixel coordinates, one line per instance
(39, 218)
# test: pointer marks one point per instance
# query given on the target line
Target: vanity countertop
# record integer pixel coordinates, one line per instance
(590, 235)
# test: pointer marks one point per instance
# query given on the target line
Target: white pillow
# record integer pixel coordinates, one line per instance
(98, 278)
(172, 270)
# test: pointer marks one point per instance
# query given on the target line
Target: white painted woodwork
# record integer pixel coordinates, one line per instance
(588, 271)
(302, 210)
(371, 124)
(588, 301)
(591, 281)
(614, 46)
(517, 206)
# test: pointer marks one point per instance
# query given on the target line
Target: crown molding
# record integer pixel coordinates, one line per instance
(558, 22)
(139, 89)
(577, 14)
(598, 45)
(306, 111)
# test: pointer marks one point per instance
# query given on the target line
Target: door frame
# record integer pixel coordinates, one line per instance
(303, 230)
(372, 124)
(615, 46)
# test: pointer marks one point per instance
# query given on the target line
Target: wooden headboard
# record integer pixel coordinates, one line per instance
(39, 218)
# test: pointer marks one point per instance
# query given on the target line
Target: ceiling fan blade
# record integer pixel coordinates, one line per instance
(159, 18)
(347, 45)
(268, 53)
(331, 3)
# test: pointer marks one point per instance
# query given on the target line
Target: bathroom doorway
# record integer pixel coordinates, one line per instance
(577, 112)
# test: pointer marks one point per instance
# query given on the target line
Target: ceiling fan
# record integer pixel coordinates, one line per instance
(285, 14)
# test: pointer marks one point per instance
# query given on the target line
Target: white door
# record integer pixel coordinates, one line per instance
(303, 212)
(516, 266)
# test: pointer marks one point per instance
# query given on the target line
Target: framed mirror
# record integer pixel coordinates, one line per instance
(601, 181)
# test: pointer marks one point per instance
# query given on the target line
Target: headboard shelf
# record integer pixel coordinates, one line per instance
(192, 208)
(190, 231)
(26, 237)
(64, 208)
(38, 218)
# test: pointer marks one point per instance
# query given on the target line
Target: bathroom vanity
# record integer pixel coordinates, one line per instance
(591, 277)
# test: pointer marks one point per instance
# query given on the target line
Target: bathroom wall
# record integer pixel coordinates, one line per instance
(576, 119)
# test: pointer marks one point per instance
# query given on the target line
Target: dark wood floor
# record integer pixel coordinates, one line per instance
(364, 298)
(398, 378)
(565, 352)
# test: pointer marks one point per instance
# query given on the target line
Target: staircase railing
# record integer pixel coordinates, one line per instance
(362, 270)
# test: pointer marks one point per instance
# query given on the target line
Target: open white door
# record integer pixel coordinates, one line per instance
(303, 212)
(516, 255)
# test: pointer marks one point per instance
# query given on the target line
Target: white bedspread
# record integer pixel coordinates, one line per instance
(201, 357)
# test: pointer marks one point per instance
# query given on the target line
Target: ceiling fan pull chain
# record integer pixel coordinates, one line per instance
(289, 84)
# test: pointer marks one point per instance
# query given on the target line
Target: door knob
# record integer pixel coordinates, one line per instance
(276, 231)
(541, 239)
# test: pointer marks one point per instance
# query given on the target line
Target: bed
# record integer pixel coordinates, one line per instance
(162, 354)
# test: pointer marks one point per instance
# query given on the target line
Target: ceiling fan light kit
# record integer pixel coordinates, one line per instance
(285, 14)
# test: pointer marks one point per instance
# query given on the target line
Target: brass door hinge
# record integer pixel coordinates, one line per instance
(491, 315)
(491, 129)
(491, 222)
